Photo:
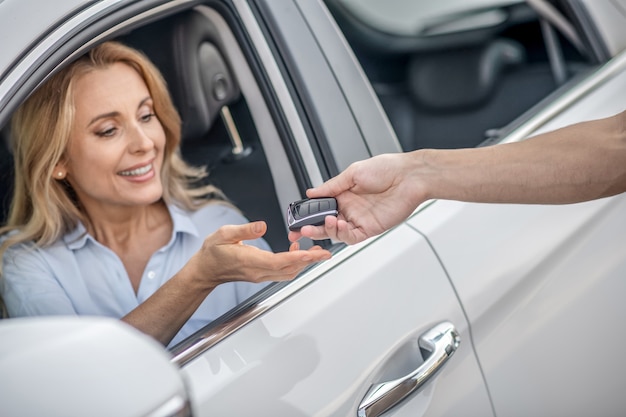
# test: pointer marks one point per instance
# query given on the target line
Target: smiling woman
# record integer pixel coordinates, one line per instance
(106, 218)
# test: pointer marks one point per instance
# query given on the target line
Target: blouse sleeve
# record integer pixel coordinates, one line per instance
(28, 285)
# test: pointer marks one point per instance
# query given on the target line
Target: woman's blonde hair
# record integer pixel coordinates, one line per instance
(44, 209)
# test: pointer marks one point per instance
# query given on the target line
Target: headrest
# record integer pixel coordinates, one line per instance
(462, 78)
(188, 51)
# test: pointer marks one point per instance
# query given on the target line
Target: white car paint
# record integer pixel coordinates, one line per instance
(612, 14)
(543, 289)
(85, 366)
(317, 353)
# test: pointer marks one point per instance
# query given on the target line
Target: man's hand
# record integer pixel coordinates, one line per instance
(372, 196)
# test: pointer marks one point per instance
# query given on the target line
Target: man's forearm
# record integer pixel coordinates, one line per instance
(577, 163)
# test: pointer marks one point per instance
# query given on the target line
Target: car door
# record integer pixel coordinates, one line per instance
(318, 345)
(543, 286)
(344, 326)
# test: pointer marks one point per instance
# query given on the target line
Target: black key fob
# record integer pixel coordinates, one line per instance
(310, 211)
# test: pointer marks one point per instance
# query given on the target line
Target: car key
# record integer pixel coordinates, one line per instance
(310, 211)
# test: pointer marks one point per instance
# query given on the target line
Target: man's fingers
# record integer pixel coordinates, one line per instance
(336, 229)
(314, 232)
(345, 233)
(334, 186)
(294, 236)
(326, 231)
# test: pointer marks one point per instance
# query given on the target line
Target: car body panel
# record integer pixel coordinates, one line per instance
(612, 14)
(52, 367)
(314, 354)
(49, 15)
(538, 300)
(365, 107)
(317, 87)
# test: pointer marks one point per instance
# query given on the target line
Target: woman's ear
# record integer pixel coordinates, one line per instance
(59, 172)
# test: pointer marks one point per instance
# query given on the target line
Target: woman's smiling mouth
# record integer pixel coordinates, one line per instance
(136, 172)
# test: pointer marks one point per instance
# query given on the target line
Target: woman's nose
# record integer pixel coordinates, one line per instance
(140, 140)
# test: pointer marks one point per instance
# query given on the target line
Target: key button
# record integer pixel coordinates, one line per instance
(303, 210)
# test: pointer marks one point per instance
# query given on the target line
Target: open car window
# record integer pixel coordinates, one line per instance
(457, 74)
(225, 107)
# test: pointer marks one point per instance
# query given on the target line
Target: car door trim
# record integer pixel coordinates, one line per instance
(280, 88)
(43, 48)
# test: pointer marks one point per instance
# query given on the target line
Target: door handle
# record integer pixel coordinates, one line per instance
(441, 341)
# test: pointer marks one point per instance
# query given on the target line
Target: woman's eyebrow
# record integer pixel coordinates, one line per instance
(116, 113)
(142, 102)
(103, 116)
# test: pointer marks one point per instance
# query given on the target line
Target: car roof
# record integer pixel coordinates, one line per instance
(23, 23)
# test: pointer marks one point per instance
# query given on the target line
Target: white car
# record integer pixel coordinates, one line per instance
(462, 310)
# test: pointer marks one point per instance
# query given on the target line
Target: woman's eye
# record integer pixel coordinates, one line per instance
(147, 117)
(105, 133)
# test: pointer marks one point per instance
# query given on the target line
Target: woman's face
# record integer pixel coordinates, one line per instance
(115, 152)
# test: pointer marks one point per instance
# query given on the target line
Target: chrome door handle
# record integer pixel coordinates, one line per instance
(441, 341)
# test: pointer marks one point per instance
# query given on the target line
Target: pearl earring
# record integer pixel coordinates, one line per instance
(60, 174)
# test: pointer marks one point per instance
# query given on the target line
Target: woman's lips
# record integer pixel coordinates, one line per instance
(137, 171)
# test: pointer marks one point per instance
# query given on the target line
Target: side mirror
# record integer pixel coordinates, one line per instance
(86, 366)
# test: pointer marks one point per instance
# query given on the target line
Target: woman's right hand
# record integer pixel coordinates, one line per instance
(224, 257)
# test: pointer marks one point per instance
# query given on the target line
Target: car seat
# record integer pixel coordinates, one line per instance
(455, 97)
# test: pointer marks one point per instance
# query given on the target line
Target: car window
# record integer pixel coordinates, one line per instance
(454, 74)
(227, 124)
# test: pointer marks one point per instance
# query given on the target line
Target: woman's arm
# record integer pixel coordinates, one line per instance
(222, 258)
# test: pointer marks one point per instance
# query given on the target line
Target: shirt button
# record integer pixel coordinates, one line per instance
(151, 274)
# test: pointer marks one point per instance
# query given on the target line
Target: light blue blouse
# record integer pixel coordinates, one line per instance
(79, 276)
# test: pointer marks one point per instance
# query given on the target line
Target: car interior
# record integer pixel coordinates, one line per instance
(457, 80)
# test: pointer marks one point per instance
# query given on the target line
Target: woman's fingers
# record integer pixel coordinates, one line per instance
(263, 265)
(237, 233)
(253, 264)
(225, 259)
(290, 270)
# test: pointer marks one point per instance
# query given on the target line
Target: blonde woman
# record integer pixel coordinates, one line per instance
(105, 219)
